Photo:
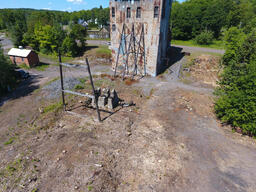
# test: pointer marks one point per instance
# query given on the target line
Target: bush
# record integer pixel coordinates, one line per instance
(237, 93)
(7, 74)
(204, 38)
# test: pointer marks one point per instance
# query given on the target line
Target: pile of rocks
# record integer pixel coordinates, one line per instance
(106, 98)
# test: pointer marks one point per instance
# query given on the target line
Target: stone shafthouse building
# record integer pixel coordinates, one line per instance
(151, 39)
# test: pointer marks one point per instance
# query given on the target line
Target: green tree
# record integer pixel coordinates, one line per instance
(7, 74)
(78, 32)
(204, 38)
(70, 47)
(237, 93)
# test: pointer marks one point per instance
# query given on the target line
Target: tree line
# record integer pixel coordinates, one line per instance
(236, 104)
(48, 31)
(7, 74)
(192, 17)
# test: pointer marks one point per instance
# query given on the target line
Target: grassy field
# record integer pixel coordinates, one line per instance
(216, 44)
(100, 39)
(55, 58)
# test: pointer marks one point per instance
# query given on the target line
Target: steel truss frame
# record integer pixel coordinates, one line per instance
(131, 46)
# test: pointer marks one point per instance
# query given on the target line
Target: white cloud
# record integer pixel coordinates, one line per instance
(48, 8)
(75, 1)
(68, 9)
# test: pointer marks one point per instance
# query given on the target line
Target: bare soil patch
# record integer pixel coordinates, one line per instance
(169, 141)
(203, 70)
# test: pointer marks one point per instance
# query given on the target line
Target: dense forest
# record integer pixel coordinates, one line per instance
(44, 30)
(7, 74)
(193, 18)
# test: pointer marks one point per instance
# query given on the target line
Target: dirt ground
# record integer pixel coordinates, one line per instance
(170, 141)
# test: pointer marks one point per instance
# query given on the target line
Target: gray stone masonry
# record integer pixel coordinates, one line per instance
(106, 99)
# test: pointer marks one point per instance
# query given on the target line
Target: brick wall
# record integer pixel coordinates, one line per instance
(156, 30)
(31, 61)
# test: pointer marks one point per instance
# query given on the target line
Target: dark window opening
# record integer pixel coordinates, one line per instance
(113, 27)
(156, 12)
(128, 12)
(113, 12)
(22, 59)
(138, 12)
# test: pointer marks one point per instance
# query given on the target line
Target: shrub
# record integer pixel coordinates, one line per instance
(7, 74)
(77, 87)
(237, 93)
(204, 38)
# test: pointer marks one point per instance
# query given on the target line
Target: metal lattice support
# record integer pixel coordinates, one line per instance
(131, 50)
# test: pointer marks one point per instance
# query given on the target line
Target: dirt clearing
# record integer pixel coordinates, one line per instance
(170, 141)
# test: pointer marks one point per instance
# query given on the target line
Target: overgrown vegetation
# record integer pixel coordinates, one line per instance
(7, 74)
(53, 107)
(237, 93)
(103, 52)
(204, 38)
(49, 31)
(191, 18)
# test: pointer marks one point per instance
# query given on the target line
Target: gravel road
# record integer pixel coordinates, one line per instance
(6, 43)
(200, 49)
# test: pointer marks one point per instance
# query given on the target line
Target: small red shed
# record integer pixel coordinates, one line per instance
(23, 56)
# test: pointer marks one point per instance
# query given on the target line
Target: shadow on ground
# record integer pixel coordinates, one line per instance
(25, 88)
(174, 54)
(89, 47)
(43, 64)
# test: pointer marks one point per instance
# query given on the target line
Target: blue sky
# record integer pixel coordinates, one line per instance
(63, 5)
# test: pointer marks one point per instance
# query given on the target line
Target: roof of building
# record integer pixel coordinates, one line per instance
(19, 52)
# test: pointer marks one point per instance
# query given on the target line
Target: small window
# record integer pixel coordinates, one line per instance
(113, 27)
(138, 12)
(156, 12)
(128, 15)
(113, 12)
(22, 59)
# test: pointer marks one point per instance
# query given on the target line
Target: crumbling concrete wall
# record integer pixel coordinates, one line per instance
(156, 29)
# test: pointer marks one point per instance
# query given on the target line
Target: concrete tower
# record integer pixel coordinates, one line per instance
(140, 35)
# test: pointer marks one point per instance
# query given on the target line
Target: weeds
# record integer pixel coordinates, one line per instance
(79, 86)
(42, 67)
(24, 66)
(53, 107)
(10, 141)
(90, 188)
(103, 52)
